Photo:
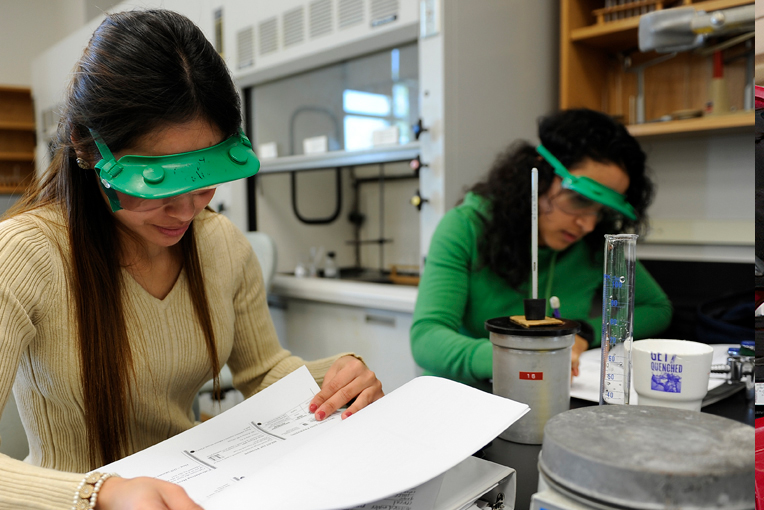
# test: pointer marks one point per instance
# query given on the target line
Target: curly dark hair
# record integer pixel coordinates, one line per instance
(572, 136)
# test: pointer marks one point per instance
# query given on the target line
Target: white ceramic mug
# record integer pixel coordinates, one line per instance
(671, 373)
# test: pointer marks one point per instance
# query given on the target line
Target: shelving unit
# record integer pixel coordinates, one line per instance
(715, 123)
(594, 74)
(17, 139)
(335, 159)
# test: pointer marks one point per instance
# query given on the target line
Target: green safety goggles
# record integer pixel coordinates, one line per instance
(148, 182)
(588, 187)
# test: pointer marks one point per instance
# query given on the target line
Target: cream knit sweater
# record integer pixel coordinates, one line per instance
(38, 349)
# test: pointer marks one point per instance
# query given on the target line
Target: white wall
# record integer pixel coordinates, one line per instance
(95, 8)
(703, 207)
(486, 78)
(29, 27)
(50, 69)
(703, 178)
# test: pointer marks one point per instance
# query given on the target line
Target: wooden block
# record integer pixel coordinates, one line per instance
(546, 321)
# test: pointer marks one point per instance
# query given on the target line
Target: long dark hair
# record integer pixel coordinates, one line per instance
(572, 136)
(142, 70)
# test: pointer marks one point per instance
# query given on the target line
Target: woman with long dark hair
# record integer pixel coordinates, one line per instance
(591, 182)
(121, 293)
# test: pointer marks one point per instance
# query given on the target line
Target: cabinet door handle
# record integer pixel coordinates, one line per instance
(381, 320)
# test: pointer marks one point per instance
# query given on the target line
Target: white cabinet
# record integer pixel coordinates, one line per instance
(315, 330)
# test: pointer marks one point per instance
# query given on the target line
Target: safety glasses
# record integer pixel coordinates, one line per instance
(570, 202)
(589, 188)
(144, 183)
(136, 204)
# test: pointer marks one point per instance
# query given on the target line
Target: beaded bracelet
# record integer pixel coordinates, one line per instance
(87, 491)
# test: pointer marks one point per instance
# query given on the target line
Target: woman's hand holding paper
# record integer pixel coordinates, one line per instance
(348, 378)
(143, 493)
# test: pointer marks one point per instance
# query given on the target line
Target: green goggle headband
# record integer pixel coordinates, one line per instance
(588, 187)
(157, 177)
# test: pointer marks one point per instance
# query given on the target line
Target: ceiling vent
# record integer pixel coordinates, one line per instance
(294, 26)
(350, 13)
(383, 12)
(245, 47)
(268, 31)
(320, 12)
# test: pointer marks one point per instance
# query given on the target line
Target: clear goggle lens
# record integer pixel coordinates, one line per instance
(570, 202)
(137, 204)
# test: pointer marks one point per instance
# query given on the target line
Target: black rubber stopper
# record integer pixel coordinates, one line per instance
(535, 309)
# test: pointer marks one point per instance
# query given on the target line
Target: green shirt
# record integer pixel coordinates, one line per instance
(456, 296)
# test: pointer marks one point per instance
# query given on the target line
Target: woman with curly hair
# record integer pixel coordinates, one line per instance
(591, 182)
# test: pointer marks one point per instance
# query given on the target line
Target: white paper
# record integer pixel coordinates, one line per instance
(217, 454)
(269, 452)
(587, 385)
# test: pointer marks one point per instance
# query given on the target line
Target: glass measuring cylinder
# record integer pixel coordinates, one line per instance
(617, 317)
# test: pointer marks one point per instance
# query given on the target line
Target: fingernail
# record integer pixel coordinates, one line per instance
(347, 414)
(320, 415)
(312, 408)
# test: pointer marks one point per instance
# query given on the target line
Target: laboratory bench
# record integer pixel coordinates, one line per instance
(381, 296)
(524, 457)
(340, 312)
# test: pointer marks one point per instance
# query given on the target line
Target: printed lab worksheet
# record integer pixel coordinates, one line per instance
(270, 452)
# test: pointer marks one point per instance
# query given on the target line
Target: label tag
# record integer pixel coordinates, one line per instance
(531, 376)
(666, 373)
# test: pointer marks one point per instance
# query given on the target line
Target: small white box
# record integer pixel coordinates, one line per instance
(387, 136)
(268, 150)
(315, 145)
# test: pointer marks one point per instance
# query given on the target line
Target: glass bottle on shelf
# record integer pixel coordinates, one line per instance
(330, 266)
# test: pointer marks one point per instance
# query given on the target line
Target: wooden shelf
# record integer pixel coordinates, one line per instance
(14, 89)
(12, 190)
(622, 34)
(16, 156)
(17, 125)
(17, 139)
(335, 159)
(711, 123)
(593, 73)
(613, 33)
